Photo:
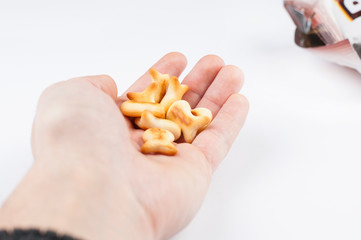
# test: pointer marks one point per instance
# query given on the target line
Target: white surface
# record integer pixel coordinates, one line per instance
(294, 171)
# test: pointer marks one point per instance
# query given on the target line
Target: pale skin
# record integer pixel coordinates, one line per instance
(89, 178)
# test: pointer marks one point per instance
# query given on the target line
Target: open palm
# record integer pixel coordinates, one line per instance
(172, 188)
(82, 114)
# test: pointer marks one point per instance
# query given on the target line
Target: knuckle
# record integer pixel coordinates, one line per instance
(105, 77)
(50, 90)
(235, 71)
(244, 101)
(213, 60)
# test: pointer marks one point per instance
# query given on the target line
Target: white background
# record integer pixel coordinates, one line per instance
(293, 172)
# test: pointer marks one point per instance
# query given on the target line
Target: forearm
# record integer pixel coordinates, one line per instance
(81, 206)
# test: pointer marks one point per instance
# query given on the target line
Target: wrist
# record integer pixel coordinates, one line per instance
(88, 205)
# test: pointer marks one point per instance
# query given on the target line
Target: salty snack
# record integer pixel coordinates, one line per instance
(163, 79)
(190, 121)
(152, 94)
(175, 92)
(155, 91)
(160, 110)
(131, 108)
(158, 140)
(148, 120)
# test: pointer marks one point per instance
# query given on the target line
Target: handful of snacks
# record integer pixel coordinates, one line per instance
(160, 110)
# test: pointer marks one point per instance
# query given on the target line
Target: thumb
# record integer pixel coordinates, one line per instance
(102, 82)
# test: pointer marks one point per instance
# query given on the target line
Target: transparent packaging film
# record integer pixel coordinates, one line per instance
(331, 28)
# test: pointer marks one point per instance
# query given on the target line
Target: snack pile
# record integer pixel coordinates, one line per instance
(160, 110)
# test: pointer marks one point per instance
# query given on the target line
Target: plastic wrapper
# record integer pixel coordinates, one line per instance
(330, 28)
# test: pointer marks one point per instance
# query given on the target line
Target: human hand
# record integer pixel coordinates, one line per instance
(107, 187)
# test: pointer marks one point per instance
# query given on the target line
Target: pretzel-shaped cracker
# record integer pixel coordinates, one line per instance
(131, 108)
(175, 92)
(163, 79)
(190, 121)
(158, 140)
(155, 91)
(152, 94)
(148, 120)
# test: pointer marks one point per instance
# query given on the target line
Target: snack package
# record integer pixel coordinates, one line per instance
(330, 28)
